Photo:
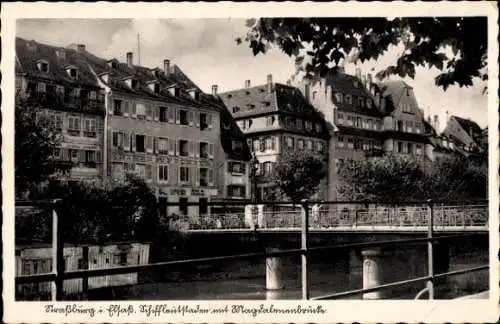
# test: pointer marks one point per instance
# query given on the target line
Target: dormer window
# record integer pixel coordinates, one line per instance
(113, 63)
(356, 83)
(339, 97)
(348, 99)
(236, 109)
(131, 82)
(368, 103)
(194, 94)
(229, 96)
(174, 91)
(251, 106)
(154, 86)
(72, 72)
(43, 66)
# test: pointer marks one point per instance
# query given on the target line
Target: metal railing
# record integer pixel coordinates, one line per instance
(58, 274)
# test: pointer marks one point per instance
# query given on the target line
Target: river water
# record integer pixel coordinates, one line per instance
(327, 274)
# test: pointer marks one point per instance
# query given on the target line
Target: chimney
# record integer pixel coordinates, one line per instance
(166, 67)
(130, 55)
(80, 48)
(214, 90)
(358, 73)
(436, 123)
(363, 80)
(247, 83)
(269, 83)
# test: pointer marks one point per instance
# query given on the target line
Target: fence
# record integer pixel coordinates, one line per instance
(58, 274)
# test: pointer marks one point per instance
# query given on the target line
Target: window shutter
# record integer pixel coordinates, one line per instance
(197, 118)
(177, 116)
(134, 110)
(170, 112)
(243, 166)
(196, 176)
(149, 144)
(149, 112)
(190, 117)
(132, 138)
(262, 144)
(249, 143)
(126, 141)
(155, 144)
(156, 113)
(81, 155)
(177, 147)
(211, 151)
(171, 146)
(210, 177)
(65, 154)
(191, 148)
(196, 145)
(126, 108)
(209, 121)
(273, 143)
(98, 156)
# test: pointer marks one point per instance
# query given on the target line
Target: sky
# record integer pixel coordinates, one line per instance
(205, 49)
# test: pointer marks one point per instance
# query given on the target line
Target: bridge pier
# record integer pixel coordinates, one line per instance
(274, 271)
(372, 272)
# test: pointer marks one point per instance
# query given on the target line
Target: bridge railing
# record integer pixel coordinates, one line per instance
(331, 215)
(58, 274)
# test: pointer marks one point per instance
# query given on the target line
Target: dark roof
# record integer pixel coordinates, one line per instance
(469, 125)
(285, 99)
(29, 53)
(393, 91)
(230, 131)
(351, 85)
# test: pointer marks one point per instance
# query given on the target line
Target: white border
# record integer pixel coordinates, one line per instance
(338, 311)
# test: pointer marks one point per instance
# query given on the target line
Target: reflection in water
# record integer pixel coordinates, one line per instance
(327, 274)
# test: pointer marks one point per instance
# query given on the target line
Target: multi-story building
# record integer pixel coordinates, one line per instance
(366, 118)
(276, 119)
(160, 127)
(63, 85)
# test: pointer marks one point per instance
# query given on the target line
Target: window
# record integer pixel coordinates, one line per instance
(270, 120)
(399, 125)
(320, 147)
(89, 128)
(118, 140)
(90, 159)
(203, 177)
(41, 87)
(300, 144)
(309, 145)
(289, 142)
(268, 168)
(418, 149)
(340, 118)
(410, 148)
(361, 102)
(163, 173)
(236, 167)
(256, 145)
(117, 107)
(309, 126)
(417, 128)
(43, 66)
(183, 174)
(73, 73)
(318, 128)
(358, 144)
(350, 143)
(93, 95)
(370, 124)
(235, 191)
(236, 109)
(140, 143)
(409, 127)
(340, 141)
(269, 143)
(348, 99)
(406, 107)
(400, 147)
(369, 103)
(298, 124)
(358, 122)
(338, 96)
(162, 145)
(183, 148)
(203, 121)
(203, 150)
(183, 117)
(350, 120)
(74, 126)
(140, 110)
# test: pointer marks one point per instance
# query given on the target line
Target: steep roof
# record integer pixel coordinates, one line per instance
(30, 52)
(351, 85)
(395, 91)
(230, 131)
(469, 125)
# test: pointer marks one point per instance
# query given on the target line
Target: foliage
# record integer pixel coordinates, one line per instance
(329, 41)
(299, 174)
(397, 178)
(98, 213)
(35, 141)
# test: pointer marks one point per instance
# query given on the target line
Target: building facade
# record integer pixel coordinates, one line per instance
(469, 137)
(365, 118)
(57, 80)
(276, 119)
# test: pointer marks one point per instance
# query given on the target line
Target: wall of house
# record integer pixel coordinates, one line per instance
(455, 129)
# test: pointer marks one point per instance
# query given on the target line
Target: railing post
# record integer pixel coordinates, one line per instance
(57, 253)
(304, 235)
(430, 252)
